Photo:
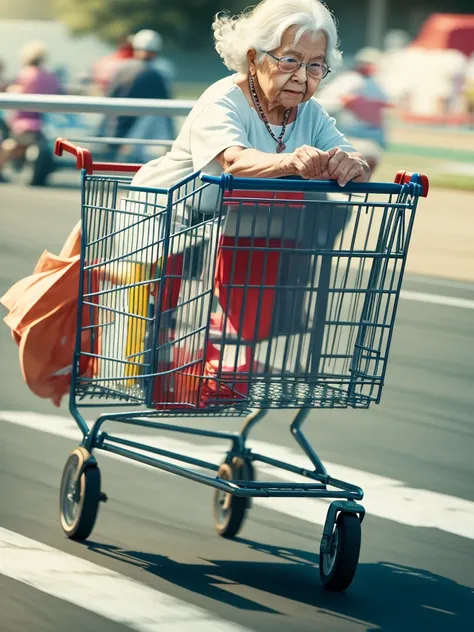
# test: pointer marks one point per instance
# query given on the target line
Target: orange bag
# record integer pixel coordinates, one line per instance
(42, 317)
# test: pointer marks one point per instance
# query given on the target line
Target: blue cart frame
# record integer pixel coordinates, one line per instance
(146, 225)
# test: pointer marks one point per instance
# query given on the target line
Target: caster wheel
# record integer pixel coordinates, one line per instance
(338, 562)
(230, 511)
(79, 503)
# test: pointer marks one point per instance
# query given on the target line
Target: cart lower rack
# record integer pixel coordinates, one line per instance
(226, 297)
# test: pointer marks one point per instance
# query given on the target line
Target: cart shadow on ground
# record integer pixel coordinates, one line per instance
(383, 596)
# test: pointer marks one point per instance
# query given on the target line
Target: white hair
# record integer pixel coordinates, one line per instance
(263, 26)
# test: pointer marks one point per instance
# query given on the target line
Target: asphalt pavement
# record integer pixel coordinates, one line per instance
(412, 454)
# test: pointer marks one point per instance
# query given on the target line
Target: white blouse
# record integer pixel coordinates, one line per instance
(223, 118)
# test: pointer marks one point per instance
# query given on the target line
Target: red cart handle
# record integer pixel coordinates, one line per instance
(404, 177)
(84, 159)
(83, 156)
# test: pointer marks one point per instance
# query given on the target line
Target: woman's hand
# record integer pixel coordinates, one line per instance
(307, 162)
(345, 167)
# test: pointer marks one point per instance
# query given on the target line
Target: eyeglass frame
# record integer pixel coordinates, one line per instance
(301, 63)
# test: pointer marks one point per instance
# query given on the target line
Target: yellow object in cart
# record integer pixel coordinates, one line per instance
(138, 298)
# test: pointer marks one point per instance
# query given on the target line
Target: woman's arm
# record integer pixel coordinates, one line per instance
(251, 163)
(306, 162)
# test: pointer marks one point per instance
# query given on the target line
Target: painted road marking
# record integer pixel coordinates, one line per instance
(422, 280)
(437, 299)
(100, 590)
(385, 498)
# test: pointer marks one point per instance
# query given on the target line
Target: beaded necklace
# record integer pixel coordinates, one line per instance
(279, 141)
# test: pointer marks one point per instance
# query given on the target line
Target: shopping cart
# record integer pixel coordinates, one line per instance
(223, 296)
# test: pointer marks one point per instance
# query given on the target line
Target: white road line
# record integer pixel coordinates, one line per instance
(437, 299)
(422, 280)
(385, 498)
(100, 590)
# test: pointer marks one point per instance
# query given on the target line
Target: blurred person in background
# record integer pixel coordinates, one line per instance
(3, 86)
(139, 78)
(458, 63)
(469, 90)
(359, 102)
(395, 40)
(105, 68)
(395, 68)
(26, 127)
(3, 79)
(435, 85)
(444, 79)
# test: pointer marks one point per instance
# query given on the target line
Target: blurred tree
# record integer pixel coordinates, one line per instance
(186, 22)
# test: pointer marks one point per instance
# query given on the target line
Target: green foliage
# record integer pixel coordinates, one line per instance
(185, 22)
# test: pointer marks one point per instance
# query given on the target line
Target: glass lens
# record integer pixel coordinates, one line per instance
(316, 70)
(288, 64)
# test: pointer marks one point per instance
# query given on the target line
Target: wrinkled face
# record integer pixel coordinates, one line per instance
(290, 89)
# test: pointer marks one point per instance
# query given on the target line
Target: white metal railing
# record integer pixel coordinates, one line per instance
(94, 105)
(112, 140)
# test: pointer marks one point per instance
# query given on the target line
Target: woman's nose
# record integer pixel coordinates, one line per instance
(300, 74)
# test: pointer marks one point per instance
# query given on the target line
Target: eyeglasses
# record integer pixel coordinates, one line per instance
(289, 64)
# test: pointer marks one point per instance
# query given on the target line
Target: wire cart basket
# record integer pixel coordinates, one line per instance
(223, 296)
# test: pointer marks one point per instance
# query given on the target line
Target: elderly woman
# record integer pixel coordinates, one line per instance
(263, 120)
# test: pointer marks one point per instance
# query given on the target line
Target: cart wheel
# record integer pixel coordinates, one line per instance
(338, 563)
(78, 504)
(229, 510)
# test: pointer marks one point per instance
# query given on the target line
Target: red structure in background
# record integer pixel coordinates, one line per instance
(447, 31)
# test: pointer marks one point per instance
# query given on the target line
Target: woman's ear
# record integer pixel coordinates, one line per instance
(251, 58)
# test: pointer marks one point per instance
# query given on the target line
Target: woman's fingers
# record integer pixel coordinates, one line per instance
(318, 160)
(303, 165)
(363, 175)
(304, 154)
(343, 170)
(336, 163)
(308, 159)
(352, 173)
(343, 167)
(323, 176)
